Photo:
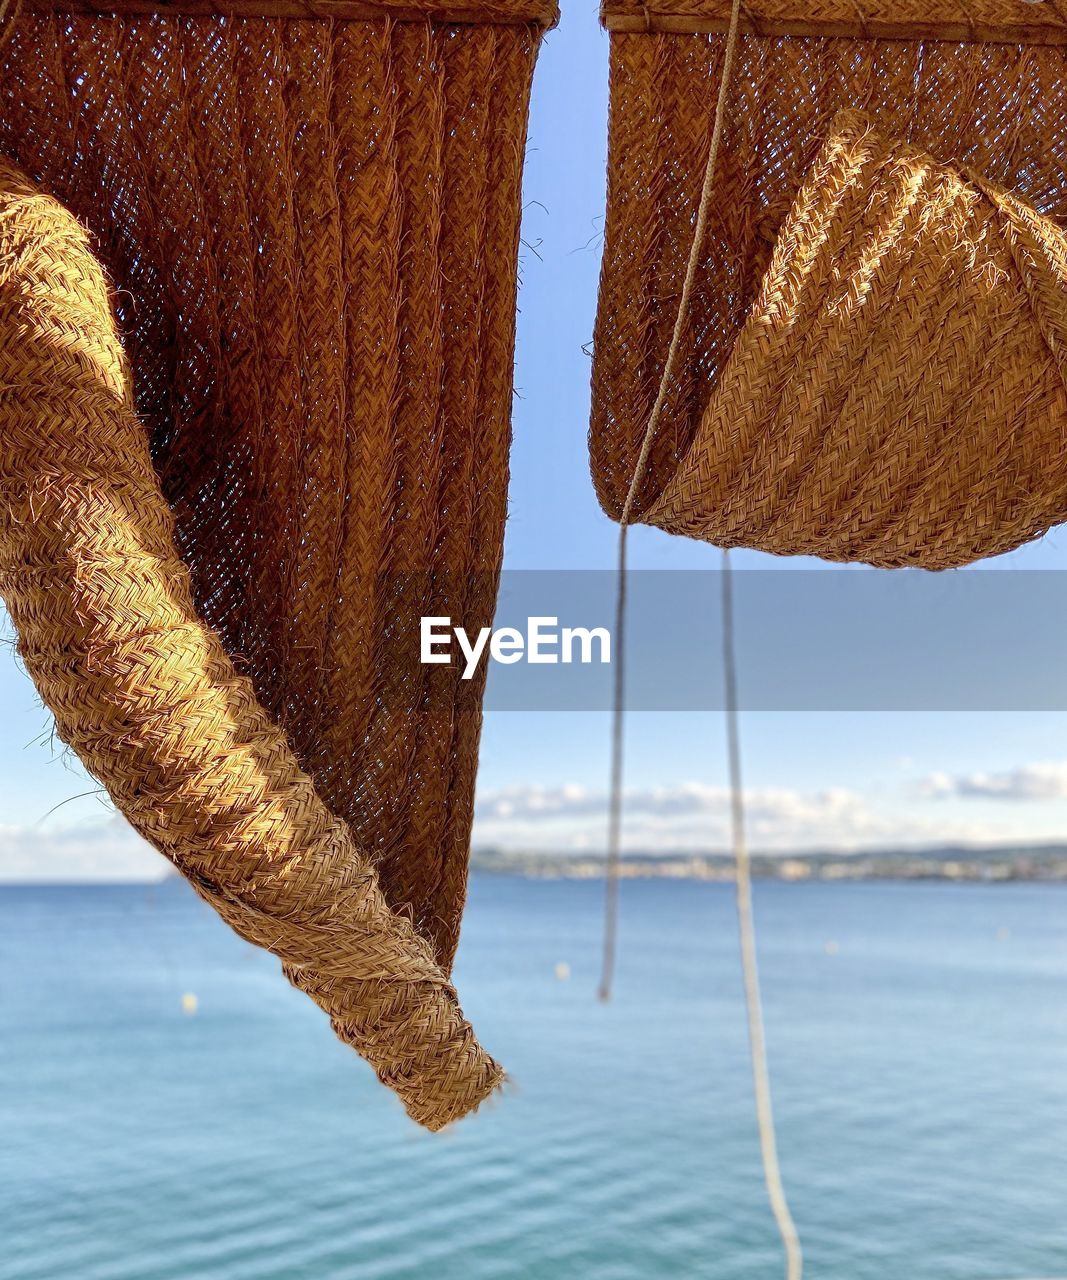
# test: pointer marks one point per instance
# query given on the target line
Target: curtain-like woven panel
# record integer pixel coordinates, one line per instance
(996, 108)
(312, 232)
(311, 227)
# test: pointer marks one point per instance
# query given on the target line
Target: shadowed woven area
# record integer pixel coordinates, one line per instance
(994, 110)
(312, 231)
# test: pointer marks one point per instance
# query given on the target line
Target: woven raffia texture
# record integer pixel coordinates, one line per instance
(996, 111)
(311, 229)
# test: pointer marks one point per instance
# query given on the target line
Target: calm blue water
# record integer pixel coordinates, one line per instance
(920, 1068)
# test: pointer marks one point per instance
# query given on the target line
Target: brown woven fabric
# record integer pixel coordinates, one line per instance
(312, 231)
(998, 110)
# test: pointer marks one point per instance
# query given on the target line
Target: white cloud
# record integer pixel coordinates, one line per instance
(696, 816)
(108, 850)
(690, 816)
(1046, 781)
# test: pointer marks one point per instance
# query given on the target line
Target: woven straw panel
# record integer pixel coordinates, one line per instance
(312, 230)
(999, 109)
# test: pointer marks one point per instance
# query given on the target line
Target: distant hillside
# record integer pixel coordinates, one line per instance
(1045, 862)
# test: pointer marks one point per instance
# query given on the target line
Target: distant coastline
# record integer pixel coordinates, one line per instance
(989, 864)
(1044, 863)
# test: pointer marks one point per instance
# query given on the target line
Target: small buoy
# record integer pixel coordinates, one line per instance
(831, 948)
(563, 970)
(190, 1003)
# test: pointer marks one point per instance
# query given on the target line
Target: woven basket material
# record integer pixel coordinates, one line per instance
(312, 230)
(897, 394)
(997, 110)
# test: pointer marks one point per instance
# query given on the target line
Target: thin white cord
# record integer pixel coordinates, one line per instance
(761, 1080)
(611, 886)
(611, 881)
(749, 965)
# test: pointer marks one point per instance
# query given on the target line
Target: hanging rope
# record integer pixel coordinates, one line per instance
(611, 893)
(761, 1080)
(749, 966)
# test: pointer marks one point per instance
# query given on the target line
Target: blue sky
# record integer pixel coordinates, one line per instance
(845, 779)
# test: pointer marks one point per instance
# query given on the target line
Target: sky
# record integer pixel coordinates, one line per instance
(841, 780)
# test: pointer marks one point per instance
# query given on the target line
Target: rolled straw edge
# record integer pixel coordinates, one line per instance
(145, 694)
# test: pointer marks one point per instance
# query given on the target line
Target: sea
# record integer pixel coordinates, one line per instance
(171, 1109)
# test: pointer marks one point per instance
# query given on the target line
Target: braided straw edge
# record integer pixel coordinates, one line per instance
(148, 699)
(543, 14)
(976, 21)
